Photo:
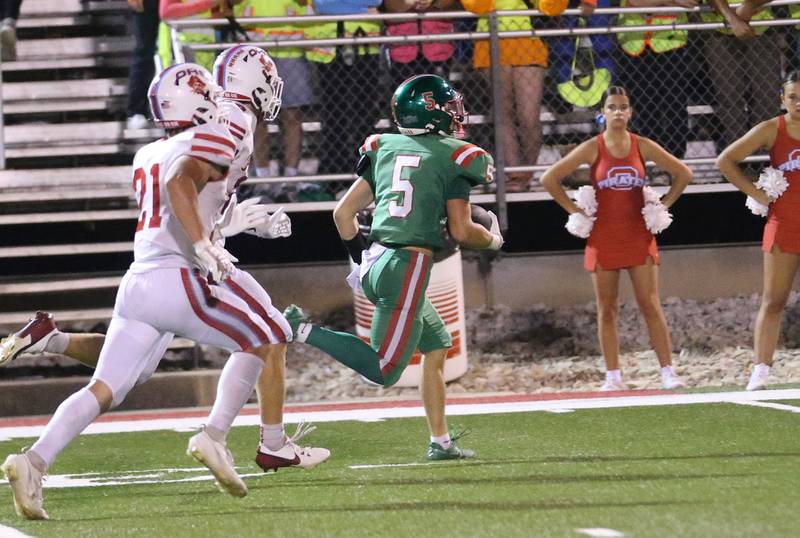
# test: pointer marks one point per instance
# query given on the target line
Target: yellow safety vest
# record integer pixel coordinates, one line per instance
(329, 30)
(634, 43)
(766, 14)
(275, 8)
(195, 35)
(508, 23)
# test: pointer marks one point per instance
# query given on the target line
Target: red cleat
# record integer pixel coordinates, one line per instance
(32, 338)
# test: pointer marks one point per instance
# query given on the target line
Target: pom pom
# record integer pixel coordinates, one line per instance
(756, 207)
(586, 200)
(772, 182)
(651, 196)
(553, 8)
(657, 217)
(580, 225)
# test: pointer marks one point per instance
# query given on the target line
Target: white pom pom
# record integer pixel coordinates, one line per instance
(586, 200)
(756, 207)
(580, 225)
(657, 217)
(772, 182)
(651, 195)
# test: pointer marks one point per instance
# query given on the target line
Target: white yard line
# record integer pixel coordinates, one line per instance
(11, 532)
(771, 405)
(381, 413)
(600, 532)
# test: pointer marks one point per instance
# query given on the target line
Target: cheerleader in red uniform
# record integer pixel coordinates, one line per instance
(781, 244)
(619, 238)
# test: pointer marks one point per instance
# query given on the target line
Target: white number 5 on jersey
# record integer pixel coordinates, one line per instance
(403, 185)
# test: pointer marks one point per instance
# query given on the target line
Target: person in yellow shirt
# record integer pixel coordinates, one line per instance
(298, 90)
(523, 62)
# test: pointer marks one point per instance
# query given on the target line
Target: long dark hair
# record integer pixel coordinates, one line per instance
(790, 78)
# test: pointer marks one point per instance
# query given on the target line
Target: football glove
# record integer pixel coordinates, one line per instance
(215, 260)
(276, 225)
(246, 215)
(494, 229)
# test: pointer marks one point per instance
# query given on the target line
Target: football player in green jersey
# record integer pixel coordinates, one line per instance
(420, 181)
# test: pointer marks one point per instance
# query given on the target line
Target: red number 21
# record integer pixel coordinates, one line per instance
(140, 187)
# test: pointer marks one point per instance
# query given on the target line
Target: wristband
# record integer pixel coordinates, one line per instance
(355, 246)
(496, 243)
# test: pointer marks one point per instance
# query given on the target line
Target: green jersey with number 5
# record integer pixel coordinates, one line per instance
(412, 177)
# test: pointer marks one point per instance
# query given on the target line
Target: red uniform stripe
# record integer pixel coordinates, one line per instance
(411, 318)
(469, 158)
(217, 139)
(231, 332)
(460, 150)
(280, 336)
(214, 151)
(238, 314)
(397, 311)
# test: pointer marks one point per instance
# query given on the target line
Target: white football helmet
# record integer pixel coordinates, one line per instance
(247, 74)
(183, 95)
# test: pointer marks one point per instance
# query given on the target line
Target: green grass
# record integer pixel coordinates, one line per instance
(698, 470)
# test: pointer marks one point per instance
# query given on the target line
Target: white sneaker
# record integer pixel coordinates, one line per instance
(291, 454)
(611, 384)
(26, 485)
(219, 461)
(32, 338)
(137, 121)
(672, 380)
(758, 380)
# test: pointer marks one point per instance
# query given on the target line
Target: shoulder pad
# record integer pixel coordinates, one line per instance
(370, 144)
(212, 143)
(465, 154)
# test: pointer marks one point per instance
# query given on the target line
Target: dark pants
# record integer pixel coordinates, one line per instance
(9, 9)
(350, 107)
(656, 84)
(145, 32)
(746, 75)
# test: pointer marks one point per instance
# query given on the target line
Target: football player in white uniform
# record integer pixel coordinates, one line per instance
(169, 289)
(252, 90)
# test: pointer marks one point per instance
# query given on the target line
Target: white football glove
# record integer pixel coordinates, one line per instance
(277, 225)
(494, 229)
(245, 216)
(215, 260)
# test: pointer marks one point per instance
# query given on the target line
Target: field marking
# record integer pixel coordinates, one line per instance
(600, 532)
(771, 405)
(11, 532)
(126, 478)
(513, 403)
(382, 465)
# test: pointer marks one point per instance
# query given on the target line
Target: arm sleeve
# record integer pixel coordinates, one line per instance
(474, 164)
(369, 148)
(457, 188)
(212, 143)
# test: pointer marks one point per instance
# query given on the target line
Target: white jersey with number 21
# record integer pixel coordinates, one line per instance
(160, 240)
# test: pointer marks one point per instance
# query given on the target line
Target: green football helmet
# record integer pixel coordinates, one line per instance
(428, 104)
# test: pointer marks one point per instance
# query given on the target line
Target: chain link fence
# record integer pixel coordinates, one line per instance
(694, 86)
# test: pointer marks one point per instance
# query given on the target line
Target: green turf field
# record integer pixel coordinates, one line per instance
(678, 471)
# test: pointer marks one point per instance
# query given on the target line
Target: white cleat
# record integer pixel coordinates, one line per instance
(758, 380)
(26, 485)
(611, 385)
(219, 461)
(32, 338)
(291, 454)
(671, 381)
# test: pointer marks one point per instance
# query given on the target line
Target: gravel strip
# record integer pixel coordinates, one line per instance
(541, 349)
